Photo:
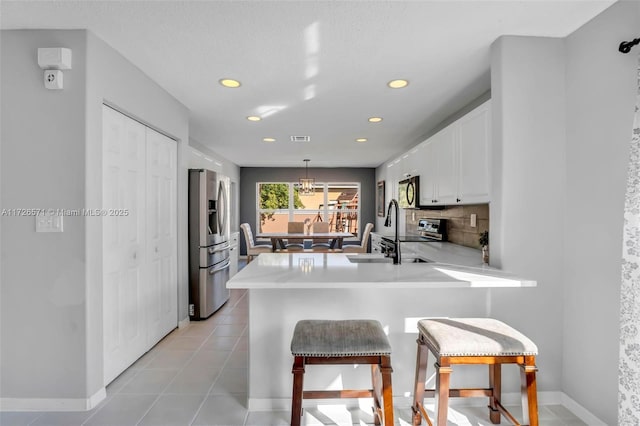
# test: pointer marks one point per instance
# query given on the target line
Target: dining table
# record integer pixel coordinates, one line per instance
(278, 238)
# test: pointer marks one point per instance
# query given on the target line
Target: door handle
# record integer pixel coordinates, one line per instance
(220, 268)
(217, 249)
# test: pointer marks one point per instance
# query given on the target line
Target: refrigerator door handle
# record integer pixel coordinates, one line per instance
(220, 268)
(217, 249)
(222, 215)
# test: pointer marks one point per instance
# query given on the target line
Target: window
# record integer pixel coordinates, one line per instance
(335, 203)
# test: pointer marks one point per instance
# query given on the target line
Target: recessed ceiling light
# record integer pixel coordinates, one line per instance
(375, 119)
(361, 140)
(268, 140)
(397, 84)
(228, 82)
(253, 118)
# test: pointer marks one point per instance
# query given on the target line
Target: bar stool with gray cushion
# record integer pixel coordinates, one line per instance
(474, 341)
(333, 342)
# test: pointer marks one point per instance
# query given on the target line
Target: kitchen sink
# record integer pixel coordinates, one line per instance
(416, 260)
(359, 258)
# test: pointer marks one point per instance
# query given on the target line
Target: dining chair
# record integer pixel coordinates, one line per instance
(253, 249)
(295, 243)
(320, 228)
(363, 247)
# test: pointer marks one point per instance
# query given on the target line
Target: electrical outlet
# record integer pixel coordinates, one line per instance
(49, 223)
(53, 79)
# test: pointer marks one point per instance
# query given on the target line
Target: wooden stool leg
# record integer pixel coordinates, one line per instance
(495, 383)
(443, 379)
(419, 383)
(296, 401)
(377, 393)
(529, 391)
(387, 390)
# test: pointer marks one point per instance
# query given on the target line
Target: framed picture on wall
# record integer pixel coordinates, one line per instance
(380, 199)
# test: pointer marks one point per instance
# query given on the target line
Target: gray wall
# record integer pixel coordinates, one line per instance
(51, 283)
(249, 176)
(563, 114)
(528, 158)
(601, 90)
(43, 309)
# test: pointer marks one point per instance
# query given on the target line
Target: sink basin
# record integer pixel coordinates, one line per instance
(359, 258)
(417, 260)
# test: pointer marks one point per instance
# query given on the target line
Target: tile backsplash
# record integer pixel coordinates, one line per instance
(459, 227)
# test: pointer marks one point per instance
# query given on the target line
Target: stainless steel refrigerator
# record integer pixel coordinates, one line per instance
(208, 243)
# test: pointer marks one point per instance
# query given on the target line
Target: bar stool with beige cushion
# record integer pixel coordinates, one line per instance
(455, 341)
(295, 243)
(320, 228)
(364, 243)
(331, 342)
(253, 249)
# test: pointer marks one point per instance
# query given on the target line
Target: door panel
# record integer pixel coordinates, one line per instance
(162, 234)
(474, 151)
(123, 239)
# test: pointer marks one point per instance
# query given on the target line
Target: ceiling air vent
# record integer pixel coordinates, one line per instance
(300, 138)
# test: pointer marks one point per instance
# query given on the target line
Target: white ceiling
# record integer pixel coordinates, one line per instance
(316, 68)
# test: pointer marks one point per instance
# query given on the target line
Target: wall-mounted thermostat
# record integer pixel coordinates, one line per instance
(53, 79)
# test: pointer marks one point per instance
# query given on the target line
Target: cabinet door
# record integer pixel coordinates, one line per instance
(233, 253)
(445, 151)
(124, 275)
(413, 161)
(393, 171)
(161, 223)
(428, 172)
(375, 243)
(474, 138)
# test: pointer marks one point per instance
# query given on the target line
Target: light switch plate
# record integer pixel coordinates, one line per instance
(474, 220)
(49, 223)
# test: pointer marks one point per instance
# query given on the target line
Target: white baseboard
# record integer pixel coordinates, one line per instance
(53, 404)
(184, 323)
(581, 412)
(512, 398)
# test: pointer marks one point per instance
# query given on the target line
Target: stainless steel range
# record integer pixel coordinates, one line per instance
(428, 230)
(433, 229)
(208, 243)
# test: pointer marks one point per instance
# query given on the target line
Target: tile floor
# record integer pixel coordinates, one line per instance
(198, 376)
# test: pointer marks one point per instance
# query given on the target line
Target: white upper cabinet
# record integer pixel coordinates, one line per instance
(474, 141)
(453, 164)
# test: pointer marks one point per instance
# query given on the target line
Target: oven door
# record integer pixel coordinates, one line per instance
(213, 288)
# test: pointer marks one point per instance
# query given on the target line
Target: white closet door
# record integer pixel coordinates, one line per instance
(161, 234)
(125, 330)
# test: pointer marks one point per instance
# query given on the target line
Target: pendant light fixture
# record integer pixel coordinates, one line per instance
(306, 183)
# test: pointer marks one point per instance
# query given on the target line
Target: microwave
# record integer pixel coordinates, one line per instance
(409, 193)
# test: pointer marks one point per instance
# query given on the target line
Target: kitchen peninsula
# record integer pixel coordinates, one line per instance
(285, 288)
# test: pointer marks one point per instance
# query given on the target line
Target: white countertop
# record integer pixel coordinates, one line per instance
(439, 252)
(333, 270)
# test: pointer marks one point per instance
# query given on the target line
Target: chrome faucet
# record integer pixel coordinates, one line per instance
(387, 223)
